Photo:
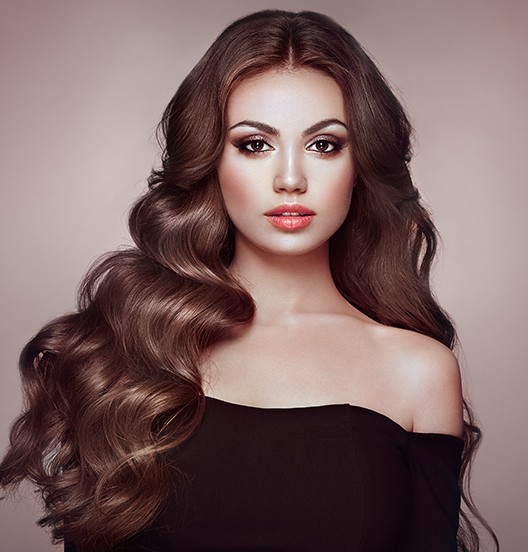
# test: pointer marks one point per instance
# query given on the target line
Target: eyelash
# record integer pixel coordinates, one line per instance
(336, 144)
(243, 144)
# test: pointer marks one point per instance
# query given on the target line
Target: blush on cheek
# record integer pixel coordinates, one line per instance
(234, 183)
(344, 189)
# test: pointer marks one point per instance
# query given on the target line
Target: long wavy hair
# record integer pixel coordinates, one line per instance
(113, 386)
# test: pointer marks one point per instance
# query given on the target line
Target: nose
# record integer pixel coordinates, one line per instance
(290, 176)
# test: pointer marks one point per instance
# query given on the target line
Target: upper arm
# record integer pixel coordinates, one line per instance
(436, 390)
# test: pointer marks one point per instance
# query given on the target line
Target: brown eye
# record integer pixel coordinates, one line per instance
(256, 145)
(324, 146)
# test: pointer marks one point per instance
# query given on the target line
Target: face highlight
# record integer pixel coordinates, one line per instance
(286, 172)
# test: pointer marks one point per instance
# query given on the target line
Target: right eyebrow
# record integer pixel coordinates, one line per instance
(263, 127)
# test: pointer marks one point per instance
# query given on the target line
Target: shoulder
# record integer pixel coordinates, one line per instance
(429, 380)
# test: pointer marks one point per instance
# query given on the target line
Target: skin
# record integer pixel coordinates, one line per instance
(307, 345)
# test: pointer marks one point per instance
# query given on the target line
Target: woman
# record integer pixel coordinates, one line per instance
(267, 369)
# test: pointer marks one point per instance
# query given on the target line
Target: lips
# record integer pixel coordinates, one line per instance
(290, 216)
(289, 209)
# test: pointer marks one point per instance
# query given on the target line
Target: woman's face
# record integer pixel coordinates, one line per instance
(286, 172)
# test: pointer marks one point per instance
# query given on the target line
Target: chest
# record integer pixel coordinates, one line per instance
(305, 365)
(288, 355)
(320, 478)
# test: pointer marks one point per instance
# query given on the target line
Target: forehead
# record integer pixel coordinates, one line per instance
(286, 97)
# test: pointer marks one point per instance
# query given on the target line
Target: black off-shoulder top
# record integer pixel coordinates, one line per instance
(331, 478)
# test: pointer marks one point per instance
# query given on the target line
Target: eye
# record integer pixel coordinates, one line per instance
(252, 146)
(325, 145)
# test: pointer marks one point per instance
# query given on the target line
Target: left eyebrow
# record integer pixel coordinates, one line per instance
(323, 124)
(271, 130)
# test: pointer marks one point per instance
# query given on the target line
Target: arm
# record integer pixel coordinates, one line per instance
(436, 392)
(435, 467)
(435, 450)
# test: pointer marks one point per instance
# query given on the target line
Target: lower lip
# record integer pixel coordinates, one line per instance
(290, 223)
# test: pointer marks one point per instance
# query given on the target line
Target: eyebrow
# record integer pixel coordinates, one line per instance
(272, 130)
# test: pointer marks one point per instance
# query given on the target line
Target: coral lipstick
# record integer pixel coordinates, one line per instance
(290, 216)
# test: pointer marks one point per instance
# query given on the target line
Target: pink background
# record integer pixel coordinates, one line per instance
(84, 84)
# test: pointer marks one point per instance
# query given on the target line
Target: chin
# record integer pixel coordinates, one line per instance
(295, 249)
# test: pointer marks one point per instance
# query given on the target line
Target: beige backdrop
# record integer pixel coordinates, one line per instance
(83, 85)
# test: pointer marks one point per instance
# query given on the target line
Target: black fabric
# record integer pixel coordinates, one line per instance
(324, 478)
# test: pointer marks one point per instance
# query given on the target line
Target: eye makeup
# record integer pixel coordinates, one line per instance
(320, 145)
(251, 145)
(324, 145)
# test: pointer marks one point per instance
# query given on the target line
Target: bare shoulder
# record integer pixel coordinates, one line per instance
(429, 377)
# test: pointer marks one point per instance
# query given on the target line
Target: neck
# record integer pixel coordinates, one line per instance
(284, 286)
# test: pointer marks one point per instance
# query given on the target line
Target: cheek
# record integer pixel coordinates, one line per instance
(339, 187)
(338, 195)
(233, 182)
(341, 205)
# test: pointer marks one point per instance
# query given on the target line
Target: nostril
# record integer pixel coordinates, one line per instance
(290, 184)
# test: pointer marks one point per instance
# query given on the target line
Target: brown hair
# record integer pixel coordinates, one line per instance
(113, 386)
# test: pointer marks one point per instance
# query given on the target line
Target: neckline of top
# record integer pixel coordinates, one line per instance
(349, 406)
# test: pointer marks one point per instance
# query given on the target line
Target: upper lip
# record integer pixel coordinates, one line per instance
(293, 208)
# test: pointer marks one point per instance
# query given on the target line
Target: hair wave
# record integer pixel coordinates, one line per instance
(113, 386)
